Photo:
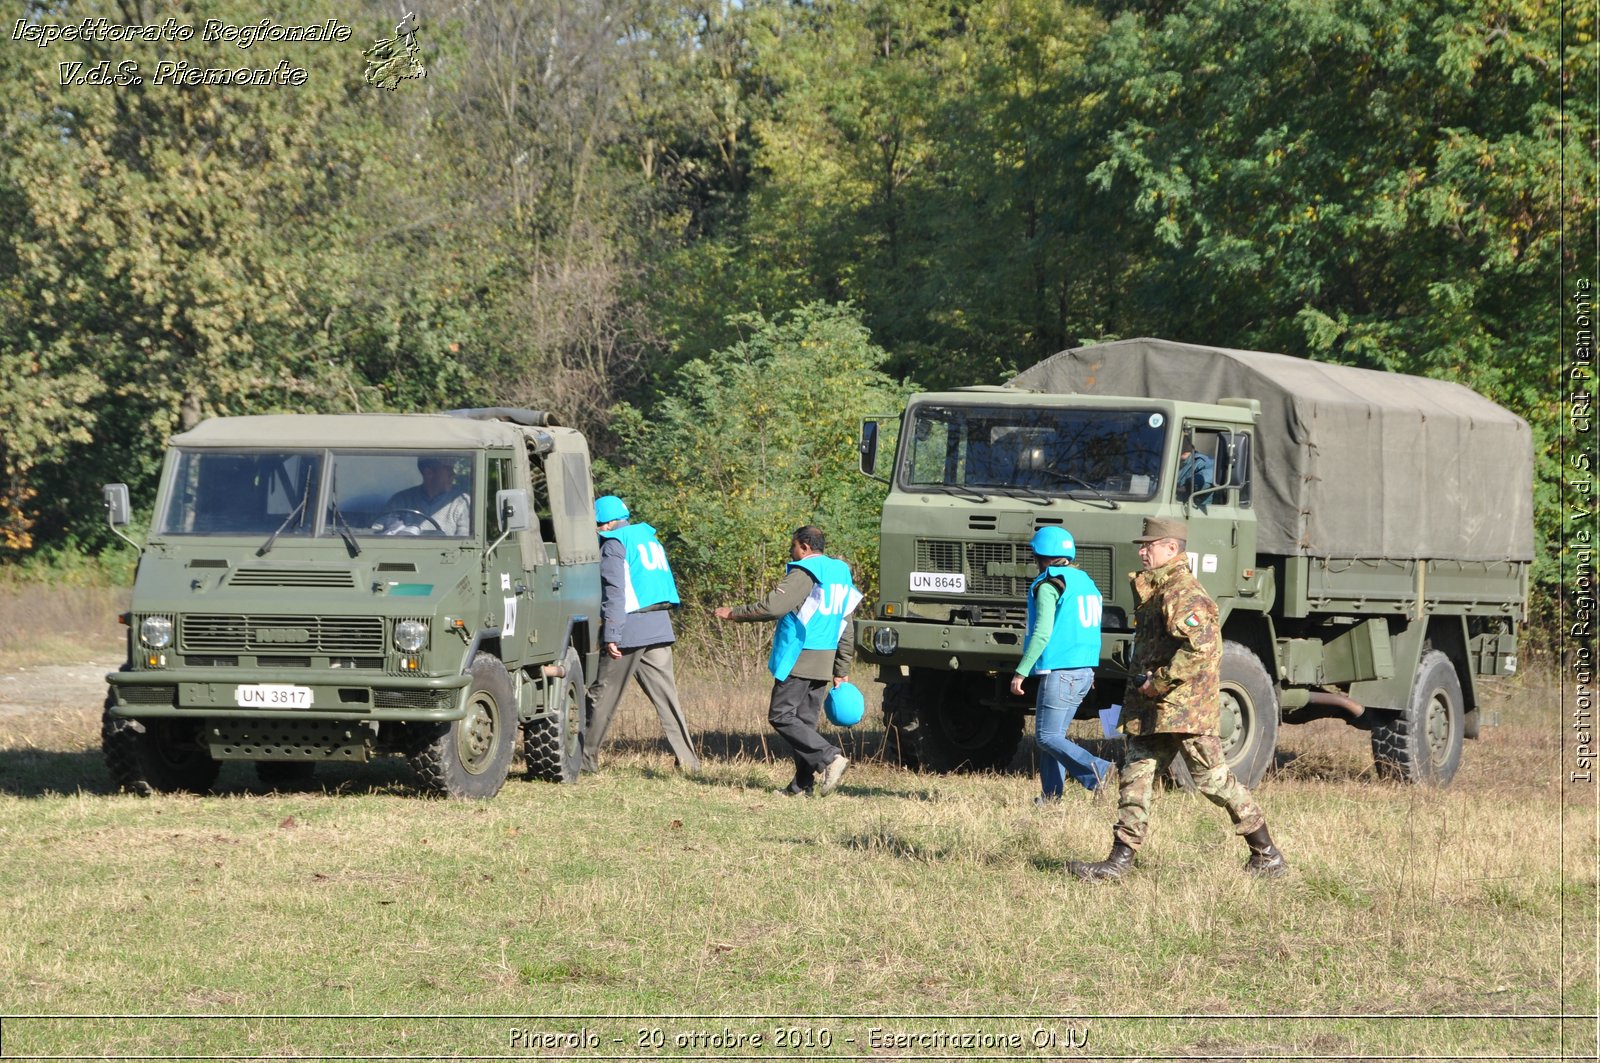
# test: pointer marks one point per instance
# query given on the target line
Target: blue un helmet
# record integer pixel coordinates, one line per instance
(1054, 542)
(608, 508)
(845, 705)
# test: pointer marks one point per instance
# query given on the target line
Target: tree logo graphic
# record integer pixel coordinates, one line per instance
(395, 59)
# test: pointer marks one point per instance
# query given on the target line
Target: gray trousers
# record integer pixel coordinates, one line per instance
(652, 666)
(796, 705)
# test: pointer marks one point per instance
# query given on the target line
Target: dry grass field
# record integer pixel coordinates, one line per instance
(642, 913)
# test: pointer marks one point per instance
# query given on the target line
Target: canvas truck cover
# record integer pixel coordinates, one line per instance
(1348, 462)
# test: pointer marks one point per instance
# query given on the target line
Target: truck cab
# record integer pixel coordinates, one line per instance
(973, 473)
(333, 587)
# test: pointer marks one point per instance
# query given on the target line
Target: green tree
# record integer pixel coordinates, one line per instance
(754, 441)
(1378, 183)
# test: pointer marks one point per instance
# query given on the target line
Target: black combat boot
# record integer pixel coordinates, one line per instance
(1108, 870)
(1265, 860)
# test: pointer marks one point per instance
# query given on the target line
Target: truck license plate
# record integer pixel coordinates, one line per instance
(944, 582)
(272, 696)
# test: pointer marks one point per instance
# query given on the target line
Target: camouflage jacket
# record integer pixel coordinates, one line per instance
(1178, 640)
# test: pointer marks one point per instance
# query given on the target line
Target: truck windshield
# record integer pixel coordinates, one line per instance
(278, 493)
(252, 492)
(1110, 453)
(389, 493)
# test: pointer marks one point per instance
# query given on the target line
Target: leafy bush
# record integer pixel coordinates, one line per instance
(753, 442)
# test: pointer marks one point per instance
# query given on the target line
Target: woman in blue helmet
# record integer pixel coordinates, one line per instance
(1062, 647)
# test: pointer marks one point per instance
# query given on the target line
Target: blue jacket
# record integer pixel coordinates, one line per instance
(1075, 631)
(821, 620)
(649, 576)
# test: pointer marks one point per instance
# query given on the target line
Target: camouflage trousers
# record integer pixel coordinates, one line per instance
(1203, 756)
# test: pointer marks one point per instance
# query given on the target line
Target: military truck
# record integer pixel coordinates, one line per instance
(302, 599)
(1367, 537)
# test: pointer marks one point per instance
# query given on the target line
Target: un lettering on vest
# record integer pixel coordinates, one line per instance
(1089, 610)
(827, 603)
(652, 556)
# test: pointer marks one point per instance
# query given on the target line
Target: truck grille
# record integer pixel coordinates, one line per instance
(427, 700)
(278, 577)
(332, 635)
(1004, 569)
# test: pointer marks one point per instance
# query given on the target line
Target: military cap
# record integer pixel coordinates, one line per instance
(1164, 528)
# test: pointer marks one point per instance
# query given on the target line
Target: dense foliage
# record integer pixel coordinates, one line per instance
(660, 204)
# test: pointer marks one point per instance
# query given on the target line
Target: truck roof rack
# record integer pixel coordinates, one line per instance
(531, 418)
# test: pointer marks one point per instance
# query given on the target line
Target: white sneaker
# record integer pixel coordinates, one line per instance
(832, 774)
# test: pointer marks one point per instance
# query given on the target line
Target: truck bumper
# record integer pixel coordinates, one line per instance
(395, 699)
(958, 647)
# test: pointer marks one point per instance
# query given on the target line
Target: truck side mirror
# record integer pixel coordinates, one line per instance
(118, 511)
(1239, 466)
(869, 447)
(511, 506)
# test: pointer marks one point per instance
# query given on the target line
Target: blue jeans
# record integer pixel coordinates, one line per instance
(1060, 693)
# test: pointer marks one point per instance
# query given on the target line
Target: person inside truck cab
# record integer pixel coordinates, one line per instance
(1196, 473)
(436, 506)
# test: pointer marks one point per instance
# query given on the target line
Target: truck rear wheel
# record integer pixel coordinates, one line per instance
(941, 724)
(469, 757)
(1249, 719)
(156, 756)
(553, 745)
(1422, 742)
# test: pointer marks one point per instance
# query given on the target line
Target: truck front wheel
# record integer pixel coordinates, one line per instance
(1422, 742)
(155, 756)
(553, 745)
(939, 723)
(469, 757)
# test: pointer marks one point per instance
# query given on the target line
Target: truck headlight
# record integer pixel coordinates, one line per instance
(156, 632)
(885, 640)
(410, 636)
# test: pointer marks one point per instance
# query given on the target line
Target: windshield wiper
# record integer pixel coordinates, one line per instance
(958, 490)
(1027, 494)
(1111, 503)
(293, 513)
(305, 497)
(344, 528)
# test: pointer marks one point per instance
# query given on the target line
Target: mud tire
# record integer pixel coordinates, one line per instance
(470, 757)
(937, 723)
(1421, 744)
(552, 746)
(155, 756)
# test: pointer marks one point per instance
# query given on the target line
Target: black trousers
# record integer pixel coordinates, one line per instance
(796, 706)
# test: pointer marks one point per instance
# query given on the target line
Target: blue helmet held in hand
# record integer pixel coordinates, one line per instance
(845, 705)
(1054, 542)
(608, 508)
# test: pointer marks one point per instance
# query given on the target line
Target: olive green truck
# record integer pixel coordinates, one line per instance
(303, 598)
(1367, 536)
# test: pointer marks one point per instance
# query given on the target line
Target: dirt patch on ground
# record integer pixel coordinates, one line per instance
(56, 687)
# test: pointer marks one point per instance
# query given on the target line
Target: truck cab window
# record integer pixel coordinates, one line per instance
(1113, 453)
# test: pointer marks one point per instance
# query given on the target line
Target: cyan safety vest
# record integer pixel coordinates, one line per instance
(1075, 635)
(648, 581)
(820, 621)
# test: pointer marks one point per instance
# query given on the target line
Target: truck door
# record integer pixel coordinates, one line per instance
(1212, 483)
(577, 544)
(512, 572)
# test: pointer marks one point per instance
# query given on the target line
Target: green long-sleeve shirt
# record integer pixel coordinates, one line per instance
(1046, 598)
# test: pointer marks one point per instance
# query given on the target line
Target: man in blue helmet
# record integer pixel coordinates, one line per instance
(811, 654)
(1062, 647)
(636, 592)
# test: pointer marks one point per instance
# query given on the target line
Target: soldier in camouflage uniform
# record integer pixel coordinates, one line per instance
(1172, 705)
